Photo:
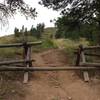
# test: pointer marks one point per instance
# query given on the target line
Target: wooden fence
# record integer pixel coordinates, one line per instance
(27, 61)
(81, 59)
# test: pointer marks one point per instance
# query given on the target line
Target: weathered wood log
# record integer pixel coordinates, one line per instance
(88, 54)
(90, 64)
(79, 52)
(78, 59)
(47, 68)
(91, 47)
(80, 55)
(27, 56)
(83, 57)
(20, 44)
(15, 62)
(85, 72)
(86, 76)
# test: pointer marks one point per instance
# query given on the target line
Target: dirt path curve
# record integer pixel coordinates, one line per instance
(59, 85)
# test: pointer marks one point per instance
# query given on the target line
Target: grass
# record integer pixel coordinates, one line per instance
(70, 44)
(13, 39)
(46, 44)
(66, 44)
(12, 52)
(69, 47)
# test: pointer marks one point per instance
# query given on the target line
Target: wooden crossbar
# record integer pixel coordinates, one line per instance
(20, 44)
(90, 64)
(91, 47)
(47, 68)
(90, 54)
(14, 62)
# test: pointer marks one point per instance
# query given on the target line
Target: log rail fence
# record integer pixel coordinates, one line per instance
(81, 63)
(81, 59)
(26, 61)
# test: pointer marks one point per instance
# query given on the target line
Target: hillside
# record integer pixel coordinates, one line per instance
(63, 85)
(49, 32)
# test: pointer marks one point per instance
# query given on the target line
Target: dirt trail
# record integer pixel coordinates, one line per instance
(50, 58)
(59, 85)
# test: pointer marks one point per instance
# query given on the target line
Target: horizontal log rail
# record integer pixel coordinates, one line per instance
(80, 52)
(90, 64)
(20, 44)
(88, 54)
(91, 47)
(86, 48)
(46, 68)
(15, 62)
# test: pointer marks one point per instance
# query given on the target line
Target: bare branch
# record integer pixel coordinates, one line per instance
(10, 7)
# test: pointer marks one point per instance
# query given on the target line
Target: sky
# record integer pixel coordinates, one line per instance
(44, 16)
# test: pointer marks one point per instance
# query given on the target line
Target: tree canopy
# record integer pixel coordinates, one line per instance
(10, 7)
(76, 15)
(82, 10)
(34, 31)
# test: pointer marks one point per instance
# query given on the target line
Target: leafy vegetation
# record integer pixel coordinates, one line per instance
(35, 32)
(79, 18)
(67, 28)
(12, 52)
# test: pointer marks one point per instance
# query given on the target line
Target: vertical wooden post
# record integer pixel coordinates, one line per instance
(29, 53)
(78, 55)
(27, 56)
(85, 72)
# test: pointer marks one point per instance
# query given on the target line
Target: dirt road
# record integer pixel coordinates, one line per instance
(59, 85)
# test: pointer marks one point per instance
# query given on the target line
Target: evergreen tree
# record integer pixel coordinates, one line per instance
(40, 29)
(26, 32)
(33, 31)
(16, 32)
(82, 11)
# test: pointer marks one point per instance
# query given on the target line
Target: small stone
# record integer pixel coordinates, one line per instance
(13, 91)
(69, 98)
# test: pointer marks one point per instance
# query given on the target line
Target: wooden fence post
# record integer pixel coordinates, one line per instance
(81, 58)
(78, 55)
(27, 56)
(85, 72)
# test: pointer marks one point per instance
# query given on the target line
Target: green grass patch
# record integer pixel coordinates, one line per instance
(46, 44)
(69, 47)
